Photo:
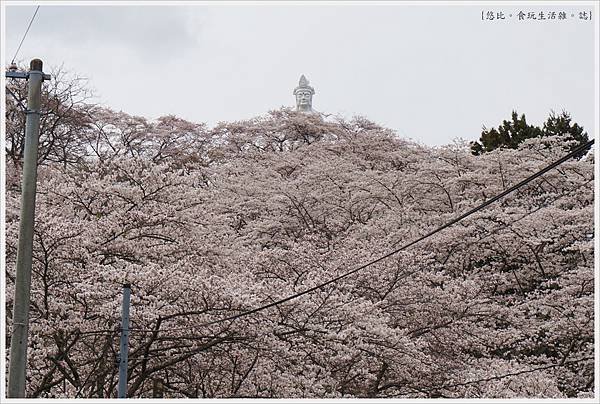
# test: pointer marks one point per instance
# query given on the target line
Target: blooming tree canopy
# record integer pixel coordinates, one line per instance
(209, 223)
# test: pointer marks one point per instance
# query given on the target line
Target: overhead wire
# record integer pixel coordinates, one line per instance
(527, 180)
(507, 225)
(23, 107)
(25, 35)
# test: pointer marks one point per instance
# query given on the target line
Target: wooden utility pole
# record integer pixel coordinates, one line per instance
(20, 324)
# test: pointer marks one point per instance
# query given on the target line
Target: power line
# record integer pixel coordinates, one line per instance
(405, 246)
(24, 35)
(506, 192)
(507, 225)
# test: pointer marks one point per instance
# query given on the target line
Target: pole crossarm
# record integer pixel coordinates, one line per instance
(25, 75)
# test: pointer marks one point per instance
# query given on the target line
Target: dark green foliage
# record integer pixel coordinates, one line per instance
(561, 125)
(510, 134)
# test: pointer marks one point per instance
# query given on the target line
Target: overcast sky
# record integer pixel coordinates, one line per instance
(430, 72)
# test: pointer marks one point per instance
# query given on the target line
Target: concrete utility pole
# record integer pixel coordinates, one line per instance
(124, 348)
(20, 325)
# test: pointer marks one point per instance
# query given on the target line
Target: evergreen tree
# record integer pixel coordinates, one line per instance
(510, 134)
(561, 125)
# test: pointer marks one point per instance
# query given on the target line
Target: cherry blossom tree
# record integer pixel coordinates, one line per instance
(209, 223)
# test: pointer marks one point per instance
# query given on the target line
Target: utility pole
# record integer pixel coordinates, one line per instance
(20, 325)
(124, 347)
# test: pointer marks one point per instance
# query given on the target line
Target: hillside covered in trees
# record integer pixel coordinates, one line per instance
(206, 223)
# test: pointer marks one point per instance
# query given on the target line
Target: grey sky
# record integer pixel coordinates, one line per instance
(430, 72)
